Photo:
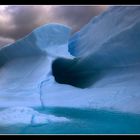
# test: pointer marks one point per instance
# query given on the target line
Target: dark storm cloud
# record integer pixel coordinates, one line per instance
(18, 21)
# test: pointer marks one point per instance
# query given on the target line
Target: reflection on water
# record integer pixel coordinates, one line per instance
(83, 121)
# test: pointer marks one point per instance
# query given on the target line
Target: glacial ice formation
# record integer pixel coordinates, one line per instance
(98, 67)
(26, 116)
(27, 63)
(106, 64)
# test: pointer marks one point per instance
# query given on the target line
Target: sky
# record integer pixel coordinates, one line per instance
(16, 21)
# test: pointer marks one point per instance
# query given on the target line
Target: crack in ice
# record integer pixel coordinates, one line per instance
(40, 92)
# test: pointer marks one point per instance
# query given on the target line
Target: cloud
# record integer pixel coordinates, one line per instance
(18, 21)
(23, 19)
(5, 41)
(5, 23)
(76, 16)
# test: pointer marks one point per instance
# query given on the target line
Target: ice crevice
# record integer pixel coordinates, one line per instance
(41, 92)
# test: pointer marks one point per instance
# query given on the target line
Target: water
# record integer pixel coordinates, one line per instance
(83, 121)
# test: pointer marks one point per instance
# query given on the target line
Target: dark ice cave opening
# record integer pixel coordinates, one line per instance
(69, 71)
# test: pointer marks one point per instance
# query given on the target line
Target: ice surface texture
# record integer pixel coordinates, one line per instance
(26, 115)
(98, 67)
(27, 63)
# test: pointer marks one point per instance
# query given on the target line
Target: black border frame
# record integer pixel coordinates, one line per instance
(67, 2)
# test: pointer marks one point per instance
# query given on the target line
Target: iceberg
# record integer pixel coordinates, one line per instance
(27, 62)
(106, 64)
(97, 67)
